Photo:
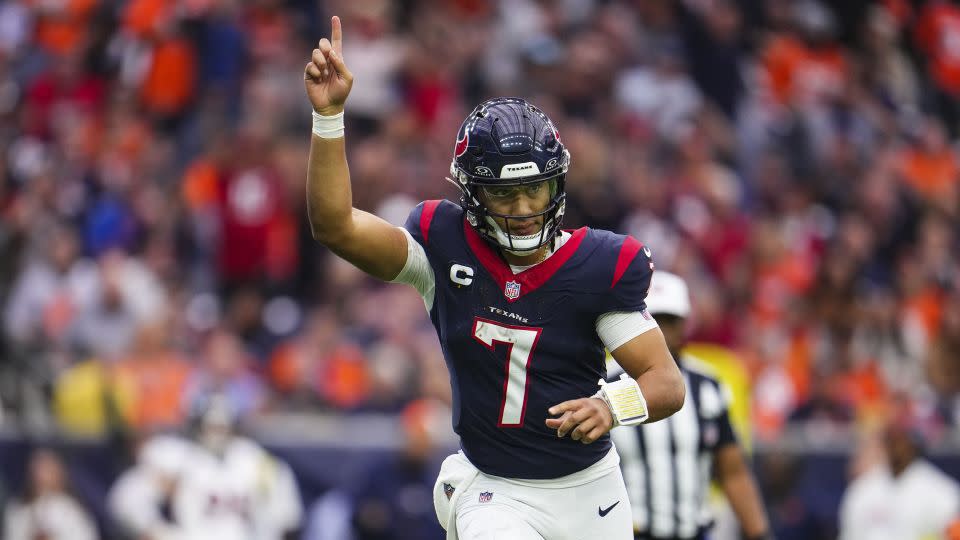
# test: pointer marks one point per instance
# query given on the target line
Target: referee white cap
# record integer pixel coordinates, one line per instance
(668, 295)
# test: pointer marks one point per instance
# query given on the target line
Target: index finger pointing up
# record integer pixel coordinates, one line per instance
(336, 35)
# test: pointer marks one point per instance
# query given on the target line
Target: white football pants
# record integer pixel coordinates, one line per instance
(591, 504)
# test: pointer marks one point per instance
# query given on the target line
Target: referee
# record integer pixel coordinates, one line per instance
(667, 465)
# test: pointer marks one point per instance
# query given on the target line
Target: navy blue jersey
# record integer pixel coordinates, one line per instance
(515, 345)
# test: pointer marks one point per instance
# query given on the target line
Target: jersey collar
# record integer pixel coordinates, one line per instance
(515, 286)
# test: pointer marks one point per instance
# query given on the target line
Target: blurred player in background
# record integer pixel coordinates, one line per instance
(140, 501)
(667, 466)
(523, 312)
(905, 498)
(230, 487)
(220, 485)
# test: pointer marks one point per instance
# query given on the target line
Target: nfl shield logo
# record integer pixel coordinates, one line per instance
(512, 290)
(486, 496)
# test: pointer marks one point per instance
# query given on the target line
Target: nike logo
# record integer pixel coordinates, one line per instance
(604, 512)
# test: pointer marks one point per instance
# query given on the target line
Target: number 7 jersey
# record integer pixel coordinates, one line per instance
(517, 344)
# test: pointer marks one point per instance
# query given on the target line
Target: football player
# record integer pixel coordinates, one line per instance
(523, 311)
(140, 500)
(231, 487)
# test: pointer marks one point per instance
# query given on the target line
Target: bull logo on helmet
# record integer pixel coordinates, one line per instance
(462, 144)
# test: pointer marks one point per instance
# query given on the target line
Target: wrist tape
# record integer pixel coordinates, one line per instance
(625, 400)
(328, 127)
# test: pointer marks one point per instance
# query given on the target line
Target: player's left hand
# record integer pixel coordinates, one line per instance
(588, 418)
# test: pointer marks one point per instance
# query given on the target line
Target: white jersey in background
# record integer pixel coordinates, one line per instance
(245, 494)
(919, 504)
(54, 517)
(137, 499)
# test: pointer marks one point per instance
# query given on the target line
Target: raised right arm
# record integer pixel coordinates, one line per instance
(368, 242)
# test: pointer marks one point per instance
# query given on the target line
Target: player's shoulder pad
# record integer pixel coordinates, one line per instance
(624, 256)
(247, 448)
(428, 216)
(624, 271)
(634, 261)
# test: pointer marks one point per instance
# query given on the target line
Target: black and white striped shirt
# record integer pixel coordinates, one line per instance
(667, 464)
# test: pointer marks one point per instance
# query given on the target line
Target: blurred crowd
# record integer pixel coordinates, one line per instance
(795, 161)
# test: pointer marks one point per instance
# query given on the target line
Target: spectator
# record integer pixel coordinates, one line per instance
(49, 292)
(152, 380)
(906, 497)
(929, 167)
(47, 510)
(394, 502)
(937, 22)
(225, 369)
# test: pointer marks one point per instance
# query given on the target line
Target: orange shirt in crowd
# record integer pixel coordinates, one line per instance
(200, 185)
(799, 362)
(170, 81)
(343, 379)
(60, 31)
(927, 307)
(778, 283)
(799, 73)
(953, 531)
(144, 17)
(154, 386)
(932, 175)
(339, 377)
(864, 388)
(938, 35)
(288, 369)
(168, 87)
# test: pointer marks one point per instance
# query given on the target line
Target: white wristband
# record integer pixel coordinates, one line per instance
(626, 401)
(328, 127)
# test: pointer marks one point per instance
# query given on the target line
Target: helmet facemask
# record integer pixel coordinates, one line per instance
(475, 192)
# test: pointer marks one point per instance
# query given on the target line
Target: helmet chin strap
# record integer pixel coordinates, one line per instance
(503, 239)
(521, 253)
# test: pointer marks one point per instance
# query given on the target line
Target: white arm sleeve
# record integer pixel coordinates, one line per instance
(417, 271)
(618, 327)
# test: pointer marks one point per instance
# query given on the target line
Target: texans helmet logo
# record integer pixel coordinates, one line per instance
(461, 145)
